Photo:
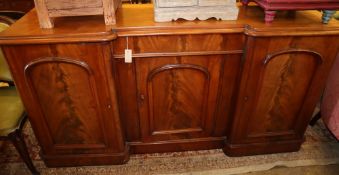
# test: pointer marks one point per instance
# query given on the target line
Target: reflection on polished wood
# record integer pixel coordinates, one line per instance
(244, 86)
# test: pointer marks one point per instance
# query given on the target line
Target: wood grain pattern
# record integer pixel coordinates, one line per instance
(280, 86)
(181, 109)
(75, 12)
(231, 73)
(281, 80)
(243, 86)
(177, 96)
(109, 9)
(64, 90)
(180, 43)
(174, 54)
(177, 145)
(126, 75)
(47, 9)
(44, 20)
(72, 106)
(74, 4)
(139, 22)
(128, 99)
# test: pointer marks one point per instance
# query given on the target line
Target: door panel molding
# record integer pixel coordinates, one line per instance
(72, 130)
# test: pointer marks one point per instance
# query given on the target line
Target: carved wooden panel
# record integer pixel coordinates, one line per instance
(65, 90)
(177, 96)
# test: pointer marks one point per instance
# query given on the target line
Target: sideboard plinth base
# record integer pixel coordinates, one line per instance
(234, 150)
(176, 146)
(86, 159)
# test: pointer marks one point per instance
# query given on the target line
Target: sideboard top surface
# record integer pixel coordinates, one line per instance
(138, 20)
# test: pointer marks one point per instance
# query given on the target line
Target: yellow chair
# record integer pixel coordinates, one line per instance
(12, 112)
(5, 75)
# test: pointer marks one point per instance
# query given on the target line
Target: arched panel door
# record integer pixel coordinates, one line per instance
(283, 87)
(273, 106)
(66, 91)
(70, 97)
(177, 96)
(280, 86)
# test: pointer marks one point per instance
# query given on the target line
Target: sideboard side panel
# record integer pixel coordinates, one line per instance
(281, 83)
(69, 95)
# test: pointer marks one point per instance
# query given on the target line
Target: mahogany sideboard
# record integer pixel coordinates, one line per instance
(244, 86)
(16, 5)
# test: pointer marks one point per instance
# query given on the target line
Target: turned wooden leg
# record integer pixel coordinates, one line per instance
(327, 15)
(19, 143)
(245, 2)
(269, 16)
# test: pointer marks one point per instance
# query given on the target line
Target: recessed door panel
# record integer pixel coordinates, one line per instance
(177, 96)
(66, 91)
(284, 83)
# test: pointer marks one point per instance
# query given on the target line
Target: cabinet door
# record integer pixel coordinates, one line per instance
(281, 84)
(177, 96)
(70, 99)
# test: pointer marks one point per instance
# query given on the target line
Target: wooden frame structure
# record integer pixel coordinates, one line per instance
(49, 9)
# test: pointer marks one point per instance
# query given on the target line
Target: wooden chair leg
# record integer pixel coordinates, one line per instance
(315, 119)
(19, 143)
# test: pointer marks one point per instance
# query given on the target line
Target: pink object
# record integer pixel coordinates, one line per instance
(330, 104)
(269, 16)
(328, 6)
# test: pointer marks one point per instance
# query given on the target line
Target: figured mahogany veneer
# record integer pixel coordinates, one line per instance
(244, 86)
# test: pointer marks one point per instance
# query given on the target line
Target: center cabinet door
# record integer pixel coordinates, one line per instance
(177, 96)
